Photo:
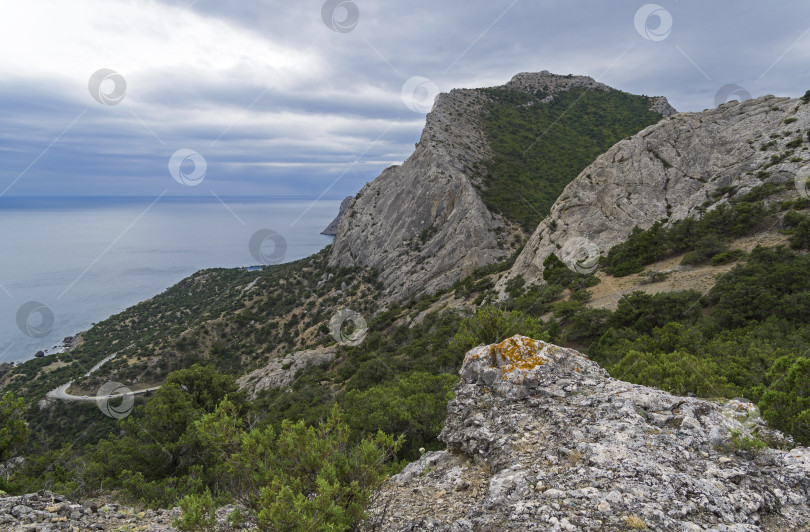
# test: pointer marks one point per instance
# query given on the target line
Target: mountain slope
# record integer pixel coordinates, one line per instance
(425, 224)
(669, 171)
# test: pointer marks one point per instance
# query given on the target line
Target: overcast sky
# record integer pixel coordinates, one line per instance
(306, 98)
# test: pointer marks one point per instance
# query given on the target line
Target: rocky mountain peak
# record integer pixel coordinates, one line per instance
(549, 83)
(669, 171)
(423, 225)
(539, 437)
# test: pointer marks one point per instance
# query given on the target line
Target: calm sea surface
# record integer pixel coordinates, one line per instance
(84, 259)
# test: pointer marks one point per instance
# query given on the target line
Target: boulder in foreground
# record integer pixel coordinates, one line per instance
(539, 437)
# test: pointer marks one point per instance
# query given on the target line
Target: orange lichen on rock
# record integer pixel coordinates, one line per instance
(519, 353)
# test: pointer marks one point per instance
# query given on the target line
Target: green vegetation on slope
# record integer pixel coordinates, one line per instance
(207, 318)
(342, 426)
(541, 147)
(703, 239)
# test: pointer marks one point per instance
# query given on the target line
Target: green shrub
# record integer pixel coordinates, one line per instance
(726, 257)
(786, 402)
(413, 405)
(677, 372)
(792, 218)
(773, 282)
(310, 477)
(700, 240)
(490, 325)
(800, 237)
(514, 286)
(556, 272)
(704, 249)
(13, 428)
(644, 312)
(198, 513)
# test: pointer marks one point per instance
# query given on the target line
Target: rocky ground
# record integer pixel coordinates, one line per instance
(49, 512)
(541, 438)
(280, 372)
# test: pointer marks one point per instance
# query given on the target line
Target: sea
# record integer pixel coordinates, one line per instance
(69, 262)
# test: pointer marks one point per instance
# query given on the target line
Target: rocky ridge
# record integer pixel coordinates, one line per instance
(670, 170)
(422, 224)
(539, 437)
(331, 229)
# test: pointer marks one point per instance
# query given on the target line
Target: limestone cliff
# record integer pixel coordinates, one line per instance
(331, 229)
(423, 225)
(670, 170)
(539, 437)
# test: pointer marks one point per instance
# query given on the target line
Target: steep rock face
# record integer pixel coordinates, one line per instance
(331, 229)
(423, 225)
(539, 437)
(670, 169)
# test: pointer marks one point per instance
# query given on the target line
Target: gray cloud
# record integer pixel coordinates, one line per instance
(280, 104)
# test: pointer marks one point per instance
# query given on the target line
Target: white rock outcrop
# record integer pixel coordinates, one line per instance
(539, 437)
(280, 372)
(673, 170)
